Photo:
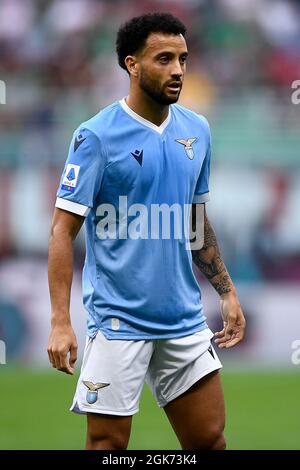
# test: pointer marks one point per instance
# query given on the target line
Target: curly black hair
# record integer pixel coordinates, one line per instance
(132, 35)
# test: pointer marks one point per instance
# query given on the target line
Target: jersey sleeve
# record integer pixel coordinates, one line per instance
(82, 175)
(201, 194)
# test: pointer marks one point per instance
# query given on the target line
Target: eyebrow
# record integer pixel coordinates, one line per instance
(161, 54)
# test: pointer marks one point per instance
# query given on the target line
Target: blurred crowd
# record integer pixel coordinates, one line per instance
(69, 43)
(58, 62)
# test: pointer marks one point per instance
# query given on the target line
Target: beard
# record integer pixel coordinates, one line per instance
(155, 90)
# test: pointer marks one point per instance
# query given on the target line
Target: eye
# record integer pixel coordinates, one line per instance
(183, 60)
(164, 59)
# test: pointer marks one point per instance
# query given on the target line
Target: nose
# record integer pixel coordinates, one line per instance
(177, 71)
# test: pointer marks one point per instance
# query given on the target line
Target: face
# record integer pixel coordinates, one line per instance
(161, 67)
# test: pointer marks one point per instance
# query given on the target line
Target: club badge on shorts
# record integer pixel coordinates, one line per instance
(92, 393)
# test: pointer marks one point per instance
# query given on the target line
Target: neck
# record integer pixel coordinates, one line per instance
(146, 107)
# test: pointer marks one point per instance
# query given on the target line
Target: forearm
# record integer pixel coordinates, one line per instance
(60, 274)
(210, 262)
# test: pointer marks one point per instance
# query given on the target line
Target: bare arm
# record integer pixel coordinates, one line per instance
(62, 340)
(209, 260)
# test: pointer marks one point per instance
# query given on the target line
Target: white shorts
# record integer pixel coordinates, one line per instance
(114, 371)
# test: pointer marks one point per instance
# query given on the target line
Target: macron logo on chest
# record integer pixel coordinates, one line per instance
(138, 155)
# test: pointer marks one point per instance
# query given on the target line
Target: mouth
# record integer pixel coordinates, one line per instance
(174, 86)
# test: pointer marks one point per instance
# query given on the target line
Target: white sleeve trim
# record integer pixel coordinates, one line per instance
(200, 198)
(71, 206)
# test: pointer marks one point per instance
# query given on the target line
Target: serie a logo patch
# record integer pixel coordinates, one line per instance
(71, 176)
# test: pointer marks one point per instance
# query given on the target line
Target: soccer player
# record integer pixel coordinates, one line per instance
(141, 156)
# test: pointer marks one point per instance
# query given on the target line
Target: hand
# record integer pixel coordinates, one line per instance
(233, 320)
(62, 340)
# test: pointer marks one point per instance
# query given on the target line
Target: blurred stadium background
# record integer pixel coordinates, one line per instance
(58, 64)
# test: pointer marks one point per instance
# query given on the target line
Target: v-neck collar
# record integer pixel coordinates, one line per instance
(144, 121)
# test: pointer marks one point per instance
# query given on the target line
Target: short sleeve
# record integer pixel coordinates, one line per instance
(82, 175)
(201, 193)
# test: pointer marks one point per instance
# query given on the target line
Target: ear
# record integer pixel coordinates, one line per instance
(132, 65)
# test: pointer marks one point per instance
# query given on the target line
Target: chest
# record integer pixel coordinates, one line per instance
(145, 160)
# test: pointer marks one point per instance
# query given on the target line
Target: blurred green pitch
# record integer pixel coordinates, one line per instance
(263, 412)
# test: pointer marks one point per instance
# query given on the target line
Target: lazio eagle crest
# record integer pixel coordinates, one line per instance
(92, 393)
(188, 146)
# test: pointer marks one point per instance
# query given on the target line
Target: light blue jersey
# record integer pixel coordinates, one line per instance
(121, 172)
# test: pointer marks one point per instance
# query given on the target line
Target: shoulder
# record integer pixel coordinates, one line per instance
(192, 116)
(89, 135)
(98, 125)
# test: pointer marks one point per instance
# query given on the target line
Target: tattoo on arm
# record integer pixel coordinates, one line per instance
(210, 262)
